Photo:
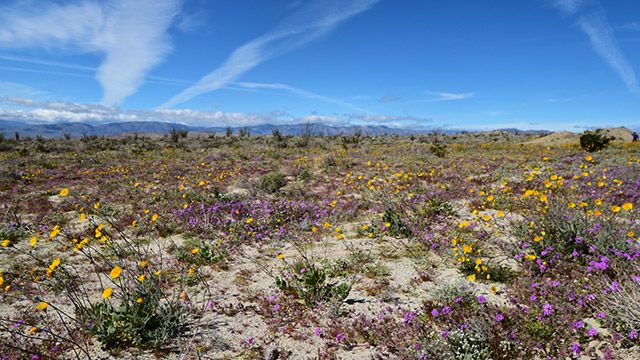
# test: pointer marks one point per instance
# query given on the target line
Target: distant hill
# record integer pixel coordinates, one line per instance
(9, 127)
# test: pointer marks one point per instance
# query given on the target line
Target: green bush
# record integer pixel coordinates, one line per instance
(272, 182)
(145, 323)
(397, 226)
(594, 140)
(308, 284)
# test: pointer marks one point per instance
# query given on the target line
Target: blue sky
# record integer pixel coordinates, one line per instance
(531, 64)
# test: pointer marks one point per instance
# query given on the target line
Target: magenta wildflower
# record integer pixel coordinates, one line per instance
(633, 334)
(547, 309)
(317, 331)
(339, 337)
(593, 332)
(481, 299)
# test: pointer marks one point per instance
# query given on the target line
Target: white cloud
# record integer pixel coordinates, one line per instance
(593, 22)
(303, 93)
(447, 96)
(602, 40)
(305, 24)
(132, 34)
(30, 111)
(568, 6)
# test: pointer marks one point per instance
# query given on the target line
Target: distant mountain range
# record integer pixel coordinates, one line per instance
(76, 129)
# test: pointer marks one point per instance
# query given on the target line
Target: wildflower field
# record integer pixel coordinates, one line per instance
(349, 247)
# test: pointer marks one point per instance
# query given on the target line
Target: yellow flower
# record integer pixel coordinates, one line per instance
(471, 277)
(154, 217)
(627, 206)
(500, 213)
(249, 220)
(42, 306)
(33, 330)
(115, 272)
(143, 263)
(281, 256)
(83, 217)
(54, 232)
(1, 279)
(54, 264)
(64, 192)
(195, 250)
(6, 243)
(139, 300)
(33, 241)
(615, 208)
(107, 293)
(133, 223)
(96, 206)
(141, 278)
(588, 158)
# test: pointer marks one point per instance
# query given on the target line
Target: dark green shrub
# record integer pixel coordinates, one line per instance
(594, 140)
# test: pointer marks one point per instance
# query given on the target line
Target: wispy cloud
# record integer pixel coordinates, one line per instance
(73, 69)
(132, 35)
(305, 24)
(632, 26)
(11, 89)
(447, 96)
(593, 22)
(302, 93)
(389, 99)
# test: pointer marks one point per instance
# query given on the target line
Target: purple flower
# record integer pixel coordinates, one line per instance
(445, 310)
(601, 315)
(317, 331)
(578, 324)
(249, 341)
(276, 307)
(593, 332)
(533, 298)
(635, 278)
(547, 309)
(434, 312)
(339, 337)
(499, 317)
(408, 316)
(633, 334)
(575, 347)
(481, 299)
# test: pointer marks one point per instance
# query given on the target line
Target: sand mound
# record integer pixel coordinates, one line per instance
(556, 138)
(620, 133)
(567, 137)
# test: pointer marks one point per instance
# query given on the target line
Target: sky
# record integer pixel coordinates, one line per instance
(445, 64)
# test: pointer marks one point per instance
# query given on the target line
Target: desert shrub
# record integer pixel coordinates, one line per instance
(200, 252)
(176, 134)
(396, 225)
(141, 319)
(438, 149)
(592, 141)
(433, 207)
(308, 284)
(272, 182)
